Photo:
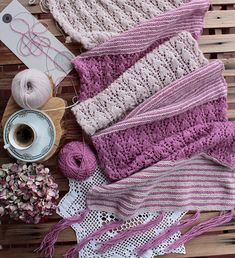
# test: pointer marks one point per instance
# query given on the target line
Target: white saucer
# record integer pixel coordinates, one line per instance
(45, 130)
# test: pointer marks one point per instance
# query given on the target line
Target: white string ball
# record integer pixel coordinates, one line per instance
(31, 89)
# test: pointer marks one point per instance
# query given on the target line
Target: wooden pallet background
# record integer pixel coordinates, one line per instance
(218, 41)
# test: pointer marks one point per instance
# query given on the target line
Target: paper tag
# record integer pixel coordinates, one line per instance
(53, 60)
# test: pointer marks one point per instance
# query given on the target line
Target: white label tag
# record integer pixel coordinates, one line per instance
(49, 56)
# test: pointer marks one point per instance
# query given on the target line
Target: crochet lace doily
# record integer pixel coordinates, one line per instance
(75, 200)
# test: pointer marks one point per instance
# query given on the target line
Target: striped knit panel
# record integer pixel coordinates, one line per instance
(199, 183)
(100, 66)
(172, 60)
(172, 131)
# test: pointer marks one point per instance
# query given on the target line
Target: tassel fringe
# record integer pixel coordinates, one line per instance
(201, 228)
(105, 228)
(128, 233)
(48, 242)
(179, 225)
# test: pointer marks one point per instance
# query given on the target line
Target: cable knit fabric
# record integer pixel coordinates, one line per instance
(177, 129)
(170, 61)
(100, 66)
(92, 22)
(200, 183)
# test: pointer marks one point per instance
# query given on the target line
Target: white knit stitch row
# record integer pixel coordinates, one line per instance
(92, 22)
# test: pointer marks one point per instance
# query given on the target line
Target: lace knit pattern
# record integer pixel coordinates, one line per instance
(92, 22)
(124, 152)
(129, 149)
(198, 183)
(172, 60)
(100, 66)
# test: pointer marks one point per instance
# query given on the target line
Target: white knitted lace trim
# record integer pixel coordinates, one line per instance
(92, 22)
(170, 61)
(75, 201)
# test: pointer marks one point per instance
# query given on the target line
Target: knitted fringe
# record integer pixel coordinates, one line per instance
(193, 232)
(105, 228)
(201, 228)
(179, 225)
(47, 246)
(128, 233)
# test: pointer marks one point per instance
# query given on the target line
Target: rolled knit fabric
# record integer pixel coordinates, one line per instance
(180, 126)
(170, 61)
(100, 66)
(198, 183)
(92, 22)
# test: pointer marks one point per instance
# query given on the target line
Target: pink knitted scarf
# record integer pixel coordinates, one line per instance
(168, 130)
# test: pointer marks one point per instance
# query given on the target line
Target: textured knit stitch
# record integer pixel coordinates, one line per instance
(198, 183)
(100, 66)
(175, 136)
(92, 22)
(170, 61)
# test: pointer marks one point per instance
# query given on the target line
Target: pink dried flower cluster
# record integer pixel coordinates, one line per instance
(27, 192)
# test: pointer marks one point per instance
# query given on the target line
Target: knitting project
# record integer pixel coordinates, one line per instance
(168, 62)
(75, 201)
(176, 123)
(100, 66)
(92, 22)
(156, 111)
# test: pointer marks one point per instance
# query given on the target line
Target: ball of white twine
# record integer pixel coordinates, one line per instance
(31, 89)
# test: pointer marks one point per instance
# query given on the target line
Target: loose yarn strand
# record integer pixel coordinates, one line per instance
(105, 228)
(201, 228)
(47, 245)
(179, 225)
(129, 232)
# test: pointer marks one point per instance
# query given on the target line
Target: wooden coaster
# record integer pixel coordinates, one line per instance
(56, 116)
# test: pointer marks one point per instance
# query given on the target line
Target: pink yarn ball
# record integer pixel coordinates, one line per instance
(76, 160)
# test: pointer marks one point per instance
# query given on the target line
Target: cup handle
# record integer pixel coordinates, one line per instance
(6, 146)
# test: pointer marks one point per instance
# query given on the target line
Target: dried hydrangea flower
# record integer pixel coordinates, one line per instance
(27, 192)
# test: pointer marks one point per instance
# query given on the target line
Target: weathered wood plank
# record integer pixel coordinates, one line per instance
(19, 234)
(220, 19)
(217, 43)
(208, 245)
(28, 252)
(222, 2)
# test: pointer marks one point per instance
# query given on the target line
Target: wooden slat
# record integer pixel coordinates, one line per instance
(19, 234)
(217, 43)
(222, 2)
(29, 252)
(220, 19)
(219, 244)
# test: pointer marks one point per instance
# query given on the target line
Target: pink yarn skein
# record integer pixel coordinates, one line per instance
(77, 161)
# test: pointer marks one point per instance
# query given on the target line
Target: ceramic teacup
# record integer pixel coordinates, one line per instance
(21, 136)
